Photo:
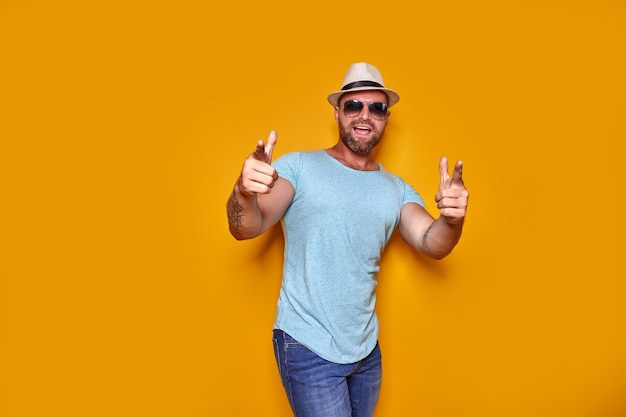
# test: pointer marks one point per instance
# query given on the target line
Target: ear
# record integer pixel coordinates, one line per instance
(337, 114)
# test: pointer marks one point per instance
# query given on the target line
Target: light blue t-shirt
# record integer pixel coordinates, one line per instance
(335, 231)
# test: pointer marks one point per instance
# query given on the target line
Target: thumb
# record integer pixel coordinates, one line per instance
(263, 152)
(444, 181)
(269, 148)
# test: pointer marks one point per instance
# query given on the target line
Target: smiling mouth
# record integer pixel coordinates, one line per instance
(362, 129)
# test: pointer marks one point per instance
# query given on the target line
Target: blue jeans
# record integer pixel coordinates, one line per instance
(316, 387)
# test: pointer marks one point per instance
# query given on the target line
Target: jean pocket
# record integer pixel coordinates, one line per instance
(290, 342)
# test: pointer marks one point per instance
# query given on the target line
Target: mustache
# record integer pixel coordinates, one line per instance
(360, 122)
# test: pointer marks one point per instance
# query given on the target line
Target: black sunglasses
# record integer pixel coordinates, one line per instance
(353, 108)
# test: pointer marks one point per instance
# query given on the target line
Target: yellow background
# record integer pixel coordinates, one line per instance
(124, 125)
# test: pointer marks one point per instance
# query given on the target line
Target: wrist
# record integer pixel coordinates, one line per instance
(239, 190)
(453, 221)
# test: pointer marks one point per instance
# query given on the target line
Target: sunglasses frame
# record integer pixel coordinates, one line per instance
(379, 113)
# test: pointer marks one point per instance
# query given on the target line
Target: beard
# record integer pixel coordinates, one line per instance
(357, 145)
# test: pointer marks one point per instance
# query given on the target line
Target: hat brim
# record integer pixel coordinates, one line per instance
(393, 97)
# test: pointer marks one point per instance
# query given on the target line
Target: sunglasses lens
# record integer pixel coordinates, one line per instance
(378, 110)
(351, 108)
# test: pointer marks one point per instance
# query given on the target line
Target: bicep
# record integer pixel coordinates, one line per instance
(274, 204)
(414, 222)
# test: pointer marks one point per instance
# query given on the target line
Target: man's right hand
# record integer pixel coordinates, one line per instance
(258, 175)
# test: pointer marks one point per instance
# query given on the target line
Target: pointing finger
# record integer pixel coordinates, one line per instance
(263, 152)
(259, 151)
(457, 175)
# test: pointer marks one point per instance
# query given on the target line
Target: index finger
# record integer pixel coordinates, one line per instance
(263, 151)
(457, 175)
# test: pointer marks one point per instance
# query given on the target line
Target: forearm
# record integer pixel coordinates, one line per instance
(244, 215)
(441, 237)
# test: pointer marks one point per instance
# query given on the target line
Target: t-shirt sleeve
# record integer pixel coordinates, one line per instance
(288, 166)
(412, 196)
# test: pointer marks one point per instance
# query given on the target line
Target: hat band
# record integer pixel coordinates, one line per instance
(358, 84)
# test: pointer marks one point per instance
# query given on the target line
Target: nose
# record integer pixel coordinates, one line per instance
(365, 112)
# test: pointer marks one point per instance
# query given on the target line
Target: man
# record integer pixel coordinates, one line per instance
(338, 208)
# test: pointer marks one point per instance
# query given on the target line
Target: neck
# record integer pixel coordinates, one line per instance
(361, 162)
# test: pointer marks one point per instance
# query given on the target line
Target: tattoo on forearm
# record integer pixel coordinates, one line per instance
(425, 237)
(234, 210)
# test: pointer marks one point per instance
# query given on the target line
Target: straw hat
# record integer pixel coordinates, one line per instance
(359, 77)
